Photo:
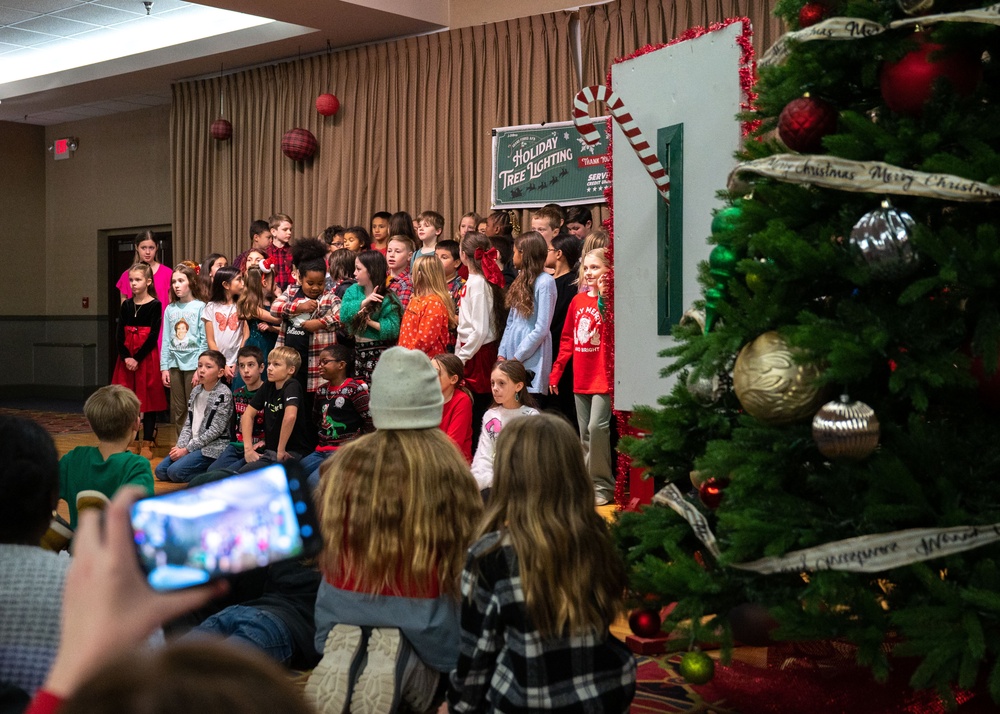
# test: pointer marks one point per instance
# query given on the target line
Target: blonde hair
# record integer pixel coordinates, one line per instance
(594, 240)
(112, 411)
(542, 503)
(428, 279)
(397, 511)
(521, 293)
(474, 216)
(286, 354)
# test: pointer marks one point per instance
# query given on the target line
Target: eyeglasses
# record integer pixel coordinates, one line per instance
(324, 362)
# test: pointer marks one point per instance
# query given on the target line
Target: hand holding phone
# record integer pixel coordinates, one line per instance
(229, 526)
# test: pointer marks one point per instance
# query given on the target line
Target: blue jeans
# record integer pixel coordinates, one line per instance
(184, 469)
(249, 625)
(231, 459)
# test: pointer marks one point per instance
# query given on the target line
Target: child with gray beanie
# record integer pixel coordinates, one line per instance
(398, 509)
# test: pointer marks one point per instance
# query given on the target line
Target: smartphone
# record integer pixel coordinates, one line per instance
(238, 523)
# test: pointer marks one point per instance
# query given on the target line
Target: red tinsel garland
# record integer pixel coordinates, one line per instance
(748, 77)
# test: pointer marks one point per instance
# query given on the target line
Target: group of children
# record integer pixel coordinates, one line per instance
(392, 379)
(486, 298)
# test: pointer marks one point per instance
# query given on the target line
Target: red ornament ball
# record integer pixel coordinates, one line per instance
(221, 129)
(327, 104)
(298, 144)
(804, 122)
(908, 83)
(711, 490)
(645, 623)
(811, 13)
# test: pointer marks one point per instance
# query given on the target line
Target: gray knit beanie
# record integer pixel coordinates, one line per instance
(405, 391)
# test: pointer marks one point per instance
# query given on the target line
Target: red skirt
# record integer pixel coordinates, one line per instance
(146, 381)
(479, 367)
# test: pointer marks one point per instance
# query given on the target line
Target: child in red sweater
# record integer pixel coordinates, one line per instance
(584, 340)
(456, 417)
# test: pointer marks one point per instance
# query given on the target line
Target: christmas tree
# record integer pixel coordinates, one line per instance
(833, 439)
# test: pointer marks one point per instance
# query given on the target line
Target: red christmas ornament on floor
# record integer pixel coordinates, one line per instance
(804, 122)
(811, 13)
(908, 83)
(645, 623)
(327, 104)
(298, 144)
(221, 129)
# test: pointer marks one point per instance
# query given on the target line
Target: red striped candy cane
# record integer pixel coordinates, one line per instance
(581, 117)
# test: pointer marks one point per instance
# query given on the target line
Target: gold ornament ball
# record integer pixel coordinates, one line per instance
(771, 385)
(843, 429)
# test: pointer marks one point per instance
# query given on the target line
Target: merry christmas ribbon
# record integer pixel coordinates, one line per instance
(862, 554)
(868, 177)
(582, 119)
(852, 28)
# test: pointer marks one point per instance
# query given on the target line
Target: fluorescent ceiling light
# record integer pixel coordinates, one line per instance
(145, 34)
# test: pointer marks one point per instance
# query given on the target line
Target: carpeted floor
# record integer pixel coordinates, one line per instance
(55, 422)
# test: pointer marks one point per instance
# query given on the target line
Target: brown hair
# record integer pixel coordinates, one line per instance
(469, 245)
(521, 293)
(197, 288)
(542, 504)
(516, 372)
(185, 677)
(397, 511)
(553, 215)
(148, 272)
(452, 364)
(434, 218)
(276, 218)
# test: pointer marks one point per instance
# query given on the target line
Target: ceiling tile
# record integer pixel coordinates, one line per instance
(97, 14)
(14, 36)
(9, 16)
(38, 7)
(54, 25)
(137, 6)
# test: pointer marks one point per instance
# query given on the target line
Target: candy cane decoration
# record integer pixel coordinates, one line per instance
(581, 117)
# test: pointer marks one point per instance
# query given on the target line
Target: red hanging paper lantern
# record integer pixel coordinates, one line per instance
(221, 129)
(908, 83)
(298, 144)
(327, 104)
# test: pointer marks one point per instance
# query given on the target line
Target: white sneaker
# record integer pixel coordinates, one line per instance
(375, 691)
(329, 685)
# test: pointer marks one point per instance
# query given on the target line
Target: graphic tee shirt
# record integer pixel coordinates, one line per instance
(272, 402)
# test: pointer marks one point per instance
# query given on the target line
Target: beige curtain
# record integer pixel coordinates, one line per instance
(412, 133)
(619, 28)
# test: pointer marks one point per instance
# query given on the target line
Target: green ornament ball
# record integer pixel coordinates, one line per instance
(726, 219)
(722, 263)
(697, 667)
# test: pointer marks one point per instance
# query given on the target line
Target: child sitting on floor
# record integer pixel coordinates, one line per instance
(286, 420)
(250, 361)
(340, 410)
(397, 510)
(204, 436)
(541, 586)
(113, 414)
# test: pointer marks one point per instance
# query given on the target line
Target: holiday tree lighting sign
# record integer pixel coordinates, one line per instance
(548, 163)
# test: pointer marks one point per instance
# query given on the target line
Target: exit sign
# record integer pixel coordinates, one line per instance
(61, 150)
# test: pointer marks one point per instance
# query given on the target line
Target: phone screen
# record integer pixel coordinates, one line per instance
(189, 537)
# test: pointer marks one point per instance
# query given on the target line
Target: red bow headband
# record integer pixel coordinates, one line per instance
(488, 260)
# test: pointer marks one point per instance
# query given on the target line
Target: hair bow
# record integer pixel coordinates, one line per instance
(266, 265)
(488, 261)
(197, 270)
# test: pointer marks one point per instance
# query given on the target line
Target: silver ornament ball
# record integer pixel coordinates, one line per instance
(882, 238)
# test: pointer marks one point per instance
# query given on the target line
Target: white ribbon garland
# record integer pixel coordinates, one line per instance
(868, 177)
(862, 554)
(852, 28)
